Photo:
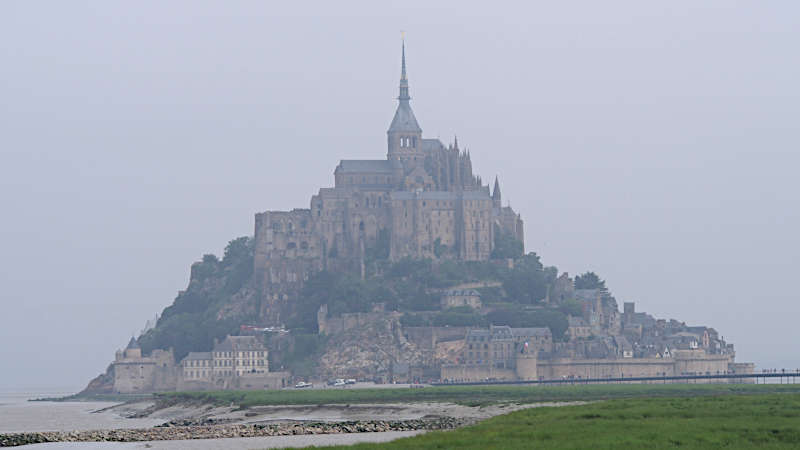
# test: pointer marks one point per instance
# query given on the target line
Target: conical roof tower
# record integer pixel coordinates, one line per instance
(404, 134)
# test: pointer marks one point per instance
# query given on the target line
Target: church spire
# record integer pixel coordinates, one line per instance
(497, 200)
(403, 78)
(404, 134)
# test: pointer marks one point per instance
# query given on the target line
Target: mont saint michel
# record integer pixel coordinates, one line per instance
(519, 225)
(409, 269)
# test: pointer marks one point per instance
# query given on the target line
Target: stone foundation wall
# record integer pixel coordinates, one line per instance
(605, 368)
(476, 372)
(269, 380)
(684, 363)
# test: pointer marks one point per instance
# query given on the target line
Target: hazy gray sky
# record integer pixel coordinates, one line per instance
(655, 143)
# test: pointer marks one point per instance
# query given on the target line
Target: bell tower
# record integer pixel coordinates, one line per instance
(404, 135)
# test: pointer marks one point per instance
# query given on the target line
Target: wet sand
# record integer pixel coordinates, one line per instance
(232, 443)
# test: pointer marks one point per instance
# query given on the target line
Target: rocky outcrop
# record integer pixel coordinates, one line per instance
(241, 304)
(101, 384)
(372, 348)
(170, 432)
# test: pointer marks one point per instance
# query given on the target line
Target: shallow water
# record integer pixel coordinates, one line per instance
(19, 415)
(233, 443)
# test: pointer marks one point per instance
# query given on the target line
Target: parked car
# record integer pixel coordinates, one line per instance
(339, 382)
(350, 381)
(303, 384)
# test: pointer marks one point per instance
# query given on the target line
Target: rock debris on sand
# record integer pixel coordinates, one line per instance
(170, 431)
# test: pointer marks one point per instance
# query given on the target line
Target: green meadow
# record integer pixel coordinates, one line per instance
(470, 395)
(726, 421)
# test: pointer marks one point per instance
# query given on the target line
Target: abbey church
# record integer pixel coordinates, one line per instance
(422, 201)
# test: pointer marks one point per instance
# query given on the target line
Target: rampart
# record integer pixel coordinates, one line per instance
(683, 362)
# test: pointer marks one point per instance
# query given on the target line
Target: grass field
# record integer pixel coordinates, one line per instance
(760, 421)
(471, 395)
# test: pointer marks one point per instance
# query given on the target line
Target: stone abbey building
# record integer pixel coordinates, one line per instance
(422, 201)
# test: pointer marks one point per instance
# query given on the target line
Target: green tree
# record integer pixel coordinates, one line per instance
(506, 245)
(589, 280)
(527, 281)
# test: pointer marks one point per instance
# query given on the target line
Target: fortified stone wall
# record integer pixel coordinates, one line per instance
(604, 368)
(698, 362)
(270, 380)
(348, 321)
(690, 362)
(476, 372)
(155, 373)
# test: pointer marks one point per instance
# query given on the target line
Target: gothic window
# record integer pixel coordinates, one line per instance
(276, 226)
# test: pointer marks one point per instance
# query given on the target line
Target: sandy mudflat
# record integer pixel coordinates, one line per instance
(65, 416)
(324, 413)
(232, 443)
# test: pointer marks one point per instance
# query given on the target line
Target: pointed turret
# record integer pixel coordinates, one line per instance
(496, 197)
(132, 344)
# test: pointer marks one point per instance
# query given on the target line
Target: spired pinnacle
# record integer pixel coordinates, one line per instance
(496, 196)
(403, 78)
(404, 120)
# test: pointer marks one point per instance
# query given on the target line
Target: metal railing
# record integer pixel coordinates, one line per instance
(782, 377)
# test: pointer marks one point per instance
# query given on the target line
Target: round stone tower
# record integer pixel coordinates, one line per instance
(526, 366)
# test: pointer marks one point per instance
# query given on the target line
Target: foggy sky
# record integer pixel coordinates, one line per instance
(652, 142)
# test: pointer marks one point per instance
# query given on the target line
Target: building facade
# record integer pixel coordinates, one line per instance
(453, 298)
(235, 356)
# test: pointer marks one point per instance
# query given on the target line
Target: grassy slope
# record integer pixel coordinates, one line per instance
(472, 395)
(731, 421)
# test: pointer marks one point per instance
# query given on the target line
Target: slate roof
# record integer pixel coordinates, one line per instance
(440, 195)
(404, 119)
(432, 144)
(476, 195)
(454, 292)
(365, 166)
(239, 343)
(197, 356)
(478, 333)
(537, 332)
(501, 331)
